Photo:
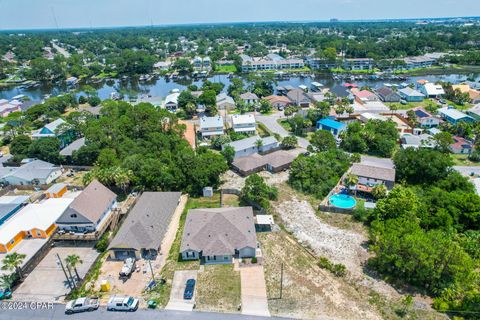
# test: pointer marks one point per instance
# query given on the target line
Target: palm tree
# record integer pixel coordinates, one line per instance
(351, 180)
(72, 261)
(12, 262)
(259, 143)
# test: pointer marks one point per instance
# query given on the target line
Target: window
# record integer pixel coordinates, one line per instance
(73, 215)
(39, 234)
(12, 241)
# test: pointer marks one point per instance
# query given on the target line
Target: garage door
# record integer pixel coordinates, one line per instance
(124, 254)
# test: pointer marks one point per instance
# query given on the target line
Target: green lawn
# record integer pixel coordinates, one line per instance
(218, 289)
(225, 69)
(285, 124)
(462, 160)
(161, 293)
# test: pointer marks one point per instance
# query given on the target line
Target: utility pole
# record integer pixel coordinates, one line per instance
(151, 269)
(59, 261)
(281, 281)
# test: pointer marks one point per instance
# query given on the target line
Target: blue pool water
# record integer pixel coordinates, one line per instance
(343, 201)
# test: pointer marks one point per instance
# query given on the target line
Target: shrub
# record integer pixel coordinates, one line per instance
(254, 260)
(338, 270)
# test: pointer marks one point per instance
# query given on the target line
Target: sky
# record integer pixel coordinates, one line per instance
(39, 14)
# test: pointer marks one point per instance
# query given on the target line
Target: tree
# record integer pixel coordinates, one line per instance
(379, 191)
(72, 261)
(259, 143)
(12, 262)
(20, 145)
(401, 202)
(86, 155)
(7, 280)
(183, 66)
(351, 180)
(421, 165)
(265, 106)
(185, 98)
(289, 142)
(45, 149)
(229, 154)
(443, 140)
(257, 191)
(322, 140)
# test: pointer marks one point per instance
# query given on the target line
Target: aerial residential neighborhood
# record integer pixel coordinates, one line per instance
(197, 167)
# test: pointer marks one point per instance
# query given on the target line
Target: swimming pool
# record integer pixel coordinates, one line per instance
(343, 201)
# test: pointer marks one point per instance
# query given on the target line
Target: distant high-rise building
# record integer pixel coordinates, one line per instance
(333, 20)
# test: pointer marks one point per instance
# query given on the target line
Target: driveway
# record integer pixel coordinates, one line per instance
(254, 291)
(270, 121)
(47, 282)
(176, 301)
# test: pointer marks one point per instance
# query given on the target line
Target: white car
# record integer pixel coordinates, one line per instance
(81, 305)
(122, 303)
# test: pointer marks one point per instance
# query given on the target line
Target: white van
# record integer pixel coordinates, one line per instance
(122, 303)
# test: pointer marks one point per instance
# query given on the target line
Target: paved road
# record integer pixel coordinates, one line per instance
(58, 313)
(270, 121)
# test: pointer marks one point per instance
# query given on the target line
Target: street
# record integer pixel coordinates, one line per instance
(57, 312)
(270, 121)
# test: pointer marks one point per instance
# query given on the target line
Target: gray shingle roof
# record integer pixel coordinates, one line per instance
(219, 231)
(147, 223)
(250, 142)
(373, 172)
(94, 200)
(36, 169)
(74, 146)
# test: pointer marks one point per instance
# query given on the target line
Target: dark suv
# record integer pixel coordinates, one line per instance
(189, 288)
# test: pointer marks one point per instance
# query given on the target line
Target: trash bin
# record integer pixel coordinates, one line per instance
(152, 304)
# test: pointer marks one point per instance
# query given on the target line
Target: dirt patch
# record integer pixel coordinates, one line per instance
(308, 291)
(231, 180)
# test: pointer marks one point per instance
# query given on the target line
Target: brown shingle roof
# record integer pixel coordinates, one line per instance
(219, 231)
(373, 172)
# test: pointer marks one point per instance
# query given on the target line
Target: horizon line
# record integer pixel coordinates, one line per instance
(55, 29)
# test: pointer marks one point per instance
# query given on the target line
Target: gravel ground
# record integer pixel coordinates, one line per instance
(338, 245)
(231, 180)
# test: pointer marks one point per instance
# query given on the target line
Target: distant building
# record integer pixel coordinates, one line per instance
(334, 127)
(269, 62)
(279, 102)
(247, 146)
(299, 98)
(425, 119)
(432, 90)
(249, 98)
(225, 102)
(211, 126)
(358, 64)
(244, 123)
(454, 116)
(411, 95)
(388, 95)
(171, 101)
(461, 146)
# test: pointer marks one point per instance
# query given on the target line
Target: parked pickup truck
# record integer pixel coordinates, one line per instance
(122, 303)
(82, 305)
(128, 268)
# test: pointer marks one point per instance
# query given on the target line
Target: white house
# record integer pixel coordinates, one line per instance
(211, 126)
(432, 90)
(249, 98)
(248, 146)
(36, 172)
(171, 101)
(244, 123)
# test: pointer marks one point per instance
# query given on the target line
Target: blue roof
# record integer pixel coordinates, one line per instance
(331, 123)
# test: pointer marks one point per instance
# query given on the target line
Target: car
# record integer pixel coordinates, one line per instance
(122, 303)
(5, 293)
(82, 305)
(189, 289)
(404, 102)
(443, 101)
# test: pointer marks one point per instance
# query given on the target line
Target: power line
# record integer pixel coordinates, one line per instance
(54, 16)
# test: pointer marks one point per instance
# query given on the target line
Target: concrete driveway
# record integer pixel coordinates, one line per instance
(176, 301)
(270, 121)
(254, 291)
(47, 282)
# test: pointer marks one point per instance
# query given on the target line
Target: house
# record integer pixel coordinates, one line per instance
(10, 205)
(279, 102)
(225, 102)
(34, 221)
(425, 119)
(298, 97)
(162, 65)
(218, 235)
(49, 130)
(274, 162)
(74, 146)
(386, 94)
(244, 123)
(142, 232)
(473, 94)
(211, 126)
(370, 175)
(56, 191)
(7, 107)
(247, 146)
(417, 141)
(411, 95)
(340, 91)
(171, 101)
(461, 146)
(358, 64)
(90, 211)
(36, 172)
(453, 115)
(333, 126)
(431, 90)
(474, 112)
(364, 96)
(367, 116)
(249, 98)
